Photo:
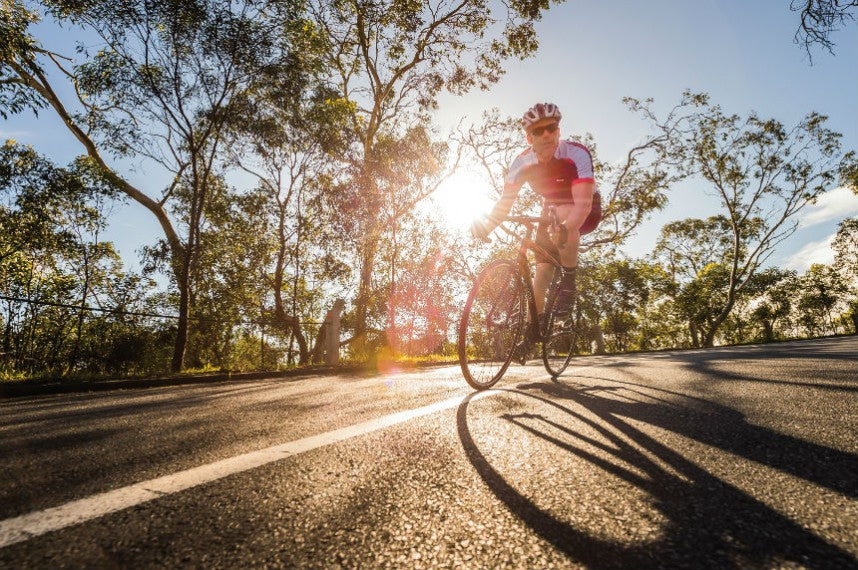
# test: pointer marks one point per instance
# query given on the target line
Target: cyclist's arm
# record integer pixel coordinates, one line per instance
(582, 194)
(583, 186)
(503, 206)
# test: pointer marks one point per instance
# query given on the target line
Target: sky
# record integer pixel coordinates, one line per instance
(591, 55)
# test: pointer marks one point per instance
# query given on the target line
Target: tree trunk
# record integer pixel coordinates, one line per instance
(769, 331)
(181, 344)
(364, 293)
(7, 336)
(289, 324)
(695, 340)
(81, 314)
(709, 337)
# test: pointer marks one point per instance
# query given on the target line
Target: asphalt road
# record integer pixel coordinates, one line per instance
(733, 457)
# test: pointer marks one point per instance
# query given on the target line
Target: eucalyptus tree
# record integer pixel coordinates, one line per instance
(849, 171)
(622, 288)
(289, 135)
(160, 86)
(763, 174)
(685, 247)
(694, 252)
(52, 261)
(392, 59)
(775, 293)
(845, 246)
(419, 290)
(821, 295)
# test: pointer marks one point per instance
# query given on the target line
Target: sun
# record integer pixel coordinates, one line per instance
(462, 198)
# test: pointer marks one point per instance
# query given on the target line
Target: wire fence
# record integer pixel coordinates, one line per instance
(129, 313)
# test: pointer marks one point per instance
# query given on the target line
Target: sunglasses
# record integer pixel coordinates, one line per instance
(537, 132)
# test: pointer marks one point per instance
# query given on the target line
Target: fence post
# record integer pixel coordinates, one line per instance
(332, 333)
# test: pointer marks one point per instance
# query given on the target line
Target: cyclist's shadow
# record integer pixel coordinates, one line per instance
(711, 523)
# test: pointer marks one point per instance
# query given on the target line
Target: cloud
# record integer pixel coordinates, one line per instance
(833, 205)
(812, 252)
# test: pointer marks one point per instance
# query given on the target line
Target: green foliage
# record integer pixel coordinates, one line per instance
(52, 262)
(18, 50)
(849, 171)
(611, 293)
(821, 289)
(685, 247)
(845, 246)
(774, 291)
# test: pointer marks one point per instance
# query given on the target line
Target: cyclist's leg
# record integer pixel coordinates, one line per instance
(566, 287)
(541, 282)
(544, 267)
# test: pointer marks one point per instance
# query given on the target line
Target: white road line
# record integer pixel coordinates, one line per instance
(24, 527)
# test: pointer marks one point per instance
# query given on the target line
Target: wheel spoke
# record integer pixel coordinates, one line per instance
(560, 343)
(491, 324)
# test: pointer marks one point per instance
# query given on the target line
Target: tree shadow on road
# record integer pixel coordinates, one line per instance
(823, 364)
(712, 523)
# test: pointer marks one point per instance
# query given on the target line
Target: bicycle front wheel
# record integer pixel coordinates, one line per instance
(559, 342)
(491, 324)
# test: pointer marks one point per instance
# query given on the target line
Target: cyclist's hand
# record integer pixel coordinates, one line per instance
(480, 230)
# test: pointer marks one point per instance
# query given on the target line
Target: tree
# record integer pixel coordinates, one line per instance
(160, 87)
(289, 136)
(53, 266)
(819, 19)
(821, 290)
(849, 171)
(392, 59)
(845, 246)
(775, 292)
(763, 174)
(685, 247)
(621, 289)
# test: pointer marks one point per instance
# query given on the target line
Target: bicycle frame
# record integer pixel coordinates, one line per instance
(527, 243)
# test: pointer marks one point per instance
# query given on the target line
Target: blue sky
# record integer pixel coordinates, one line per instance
(591, 55)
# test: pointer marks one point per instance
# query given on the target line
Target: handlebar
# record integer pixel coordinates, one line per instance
(528, 219)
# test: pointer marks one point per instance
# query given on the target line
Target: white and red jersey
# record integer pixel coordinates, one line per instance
(552, 180)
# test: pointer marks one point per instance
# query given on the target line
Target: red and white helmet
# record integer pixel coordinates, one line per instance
(538, 112)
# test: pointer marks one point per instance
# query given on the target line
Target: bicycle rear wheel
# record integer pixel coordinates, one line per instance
(560, 338)
(491, 324)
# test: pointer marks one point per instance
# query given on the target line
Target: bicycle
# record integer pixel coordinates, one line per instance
(501, 302)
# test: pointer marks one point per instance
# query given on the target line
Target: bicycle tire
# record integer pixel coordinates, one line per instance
(491, 324)
(559, 340)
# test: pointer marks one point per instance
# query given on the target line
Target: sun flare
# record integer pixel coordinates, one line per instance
(462, 198)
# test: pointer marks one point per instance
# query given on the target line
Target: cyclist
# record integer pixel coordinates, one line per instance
(561, 172)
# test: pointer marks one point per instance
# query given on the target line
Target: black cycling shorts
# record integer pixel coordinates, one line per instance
(543, 239)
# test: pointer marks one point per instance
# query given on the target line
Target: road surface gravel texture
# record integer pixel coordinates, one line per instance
(738, 457)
